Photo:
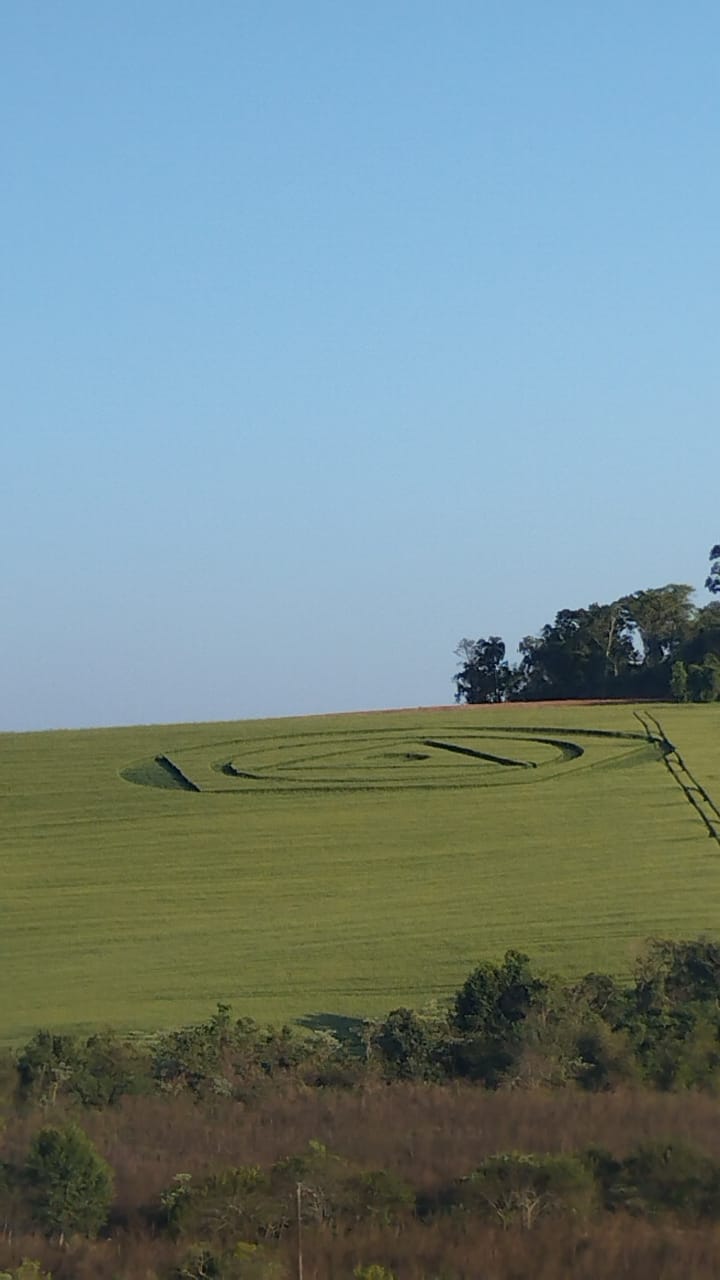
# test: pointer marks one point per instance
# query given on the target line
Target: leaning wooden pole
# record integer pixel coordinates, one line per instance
(298, 1207)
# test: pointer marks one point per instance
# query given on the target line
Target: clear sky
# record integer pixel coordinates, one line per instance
(334, 332)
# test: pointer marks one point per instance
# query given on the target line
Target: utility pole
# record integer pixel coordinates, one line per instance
(298, 1206)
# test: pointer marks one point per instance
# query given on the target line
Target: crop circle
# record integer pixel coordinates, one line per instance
(380, 758)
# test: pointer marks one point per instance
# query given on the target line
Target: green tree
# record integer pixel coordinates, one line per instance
(496, 997)
(712, 582)
(705, 637)
(70, 1185)
(46, 1064)
(548, 1038)
(28, 1270)
(660, 1177)
(672, 1013)
(224, 1206)
(603, 995)
(674, 974)
(244, 1262)
(488, 1013)
(606, 1058)
(97, 1072)
(583, 653)
(410, 1045)
(514, 1187)
(378, 1195)
(251, 1204)
(323, 1179)
(484, 675)
(704, 679)
(662, 618)
(679, 682)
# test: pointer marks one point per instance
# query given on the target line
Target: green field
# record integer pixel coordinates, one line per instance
(342, 864)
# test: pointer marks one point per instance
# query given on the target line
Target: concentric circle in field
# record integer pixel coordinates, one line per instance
(379, 758)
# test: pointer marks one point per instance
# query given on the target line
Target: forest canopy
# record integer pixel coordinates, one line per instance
(654, 643)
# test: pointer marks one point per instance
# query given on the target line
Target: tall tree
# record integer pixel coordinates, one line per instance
(584, 653)
(484, 675)
(663, 618)
(652, 643)
(705, 637)
(70, 1185)
(712, 582)
(704, 679)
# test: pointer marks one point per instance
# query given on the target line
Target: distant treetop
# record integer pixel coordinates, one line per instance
(654, 643)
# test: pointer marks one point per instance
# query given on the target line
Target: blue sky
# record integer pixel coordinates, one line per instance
(333, 333)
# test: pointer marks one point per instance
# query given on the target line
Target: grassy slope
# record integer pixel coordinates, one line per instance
(137, 907)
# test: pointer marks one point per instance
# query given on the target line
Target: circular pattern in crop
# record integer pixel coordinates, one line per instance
(384, 758)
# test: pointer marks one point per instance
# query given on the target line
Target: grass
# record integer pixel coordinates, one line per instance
(428, 1135)
(340, 865)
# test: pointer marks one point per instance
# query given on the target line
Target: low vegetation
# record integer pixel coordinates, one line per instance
(531, 1121)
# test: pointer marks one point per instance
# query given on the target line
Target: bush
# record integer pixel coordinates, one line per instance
(223, 1207)
(244, 1262)
(514, 1187)
(70, 1186)
(410, 1046)
(662, 1177)
(230, 1058)
(28, 1270)
(324, 1179)
(96, 1072)
(378, 1196)
(496, 997)
(679, 682)
(488, 1014)
(605, 1058)
(247, 1203)
(704, 679)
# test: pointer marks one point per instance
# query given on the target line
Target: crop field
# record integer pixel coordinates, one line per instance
(343, 865)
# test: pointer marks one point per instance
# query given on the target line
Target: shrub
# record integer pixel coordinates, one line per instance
(250, 1204)
(227, 1057)
(514, 1187)
(487, 1015)
(28, 1270)
(679, 682)
(704, 679)
(223, 1207)
(605, 1058)
(46, 1064)
(410, 1045)
(379, 1196)
(96, 1072)
(70, 1186)
(244, 1262)
(323, 1178)
(496, 997)
(662, 1177)
(195, 1057)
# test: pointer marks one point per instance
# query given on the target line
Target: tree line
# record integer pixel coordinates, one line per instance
(232, 1224)
(655, 643)
(508, 1033)
(506, 1026)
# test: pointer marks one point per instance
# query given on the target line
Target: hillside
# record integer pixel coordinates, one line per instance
(343, 864)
